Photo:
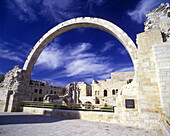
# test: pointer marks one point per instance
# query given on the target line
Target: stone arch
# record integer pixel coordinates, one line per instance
(77, 23)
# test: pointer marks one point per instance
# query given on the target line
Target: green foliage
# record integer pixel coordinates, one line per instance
(55, 106)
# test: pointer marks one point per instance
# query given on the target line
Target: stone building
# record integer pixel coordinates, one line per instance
(38, 89)
(85, 92)
(105, 91)
(101, 92)
(79, 92)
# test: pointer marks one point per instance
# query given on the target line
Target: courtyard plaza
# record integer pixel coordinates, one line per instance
(24, 124)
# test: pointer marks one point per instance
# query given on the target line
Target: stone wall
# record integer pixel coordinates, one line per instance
(130, 115)
(112, 86)
(162, 59)
(122, 76)
(146, 77)
(38, 89)
(85, 92)
(85, 115)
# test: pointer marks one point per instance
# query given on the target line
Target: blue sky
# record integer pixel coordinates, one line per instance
(81, 54)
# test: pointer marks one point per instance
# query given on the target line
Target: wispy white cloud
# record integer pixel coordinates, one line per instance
(104, 76)
(81, 48)
(90, 66)
(23, 9)
(108, 45)
(75, 61)
(54, 56)
(88, 80)
(56, 10)
(55, 82)
(78, 62)
(138, 14)
(50, 58)
(122, 51)
(7, 52)
(125, 69)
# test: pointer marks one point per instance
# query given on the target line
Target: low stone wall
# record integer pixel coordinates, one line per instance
(85, 115)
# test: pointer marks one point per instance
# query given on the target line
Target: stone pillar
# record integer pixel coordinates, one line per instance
(162, 59)
(146, 78)
(3, 100)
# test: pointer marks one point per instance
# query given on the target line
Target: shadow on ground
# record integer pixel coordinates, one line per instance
(6, 119)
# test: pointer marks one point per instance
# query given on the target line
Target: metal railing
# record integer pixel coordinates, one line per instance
(164, 118)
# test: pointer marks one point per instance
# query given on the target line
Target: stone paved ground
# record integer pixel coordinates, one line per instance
(23, 124)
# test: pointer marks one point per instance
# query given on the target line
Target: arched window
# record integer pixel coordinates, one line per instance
(116, 90)
(36, 90)
(95, 92)
(113, 92)
(105, 93)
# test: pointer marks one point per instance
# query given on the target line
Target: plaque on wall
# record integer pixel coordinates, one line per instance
(130, 103)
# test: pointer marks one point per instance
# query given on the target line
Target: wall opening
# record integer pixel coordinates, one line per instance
(105, 93)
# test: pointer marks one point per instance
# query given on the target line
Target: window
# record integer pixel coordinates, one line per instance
(36, 90)
(105, 93)
(98, 92)
(95, 92)
(88, 92)
(51, 92)
(116, 90)
(129, 81)
(40, 99)
(35, 99)
(97, 101)
(31, 82)
(113, 92)
(54, 92)
(40, 91)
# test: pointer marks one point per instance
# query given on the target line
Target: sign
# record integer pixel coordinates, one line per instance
(130, 103)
